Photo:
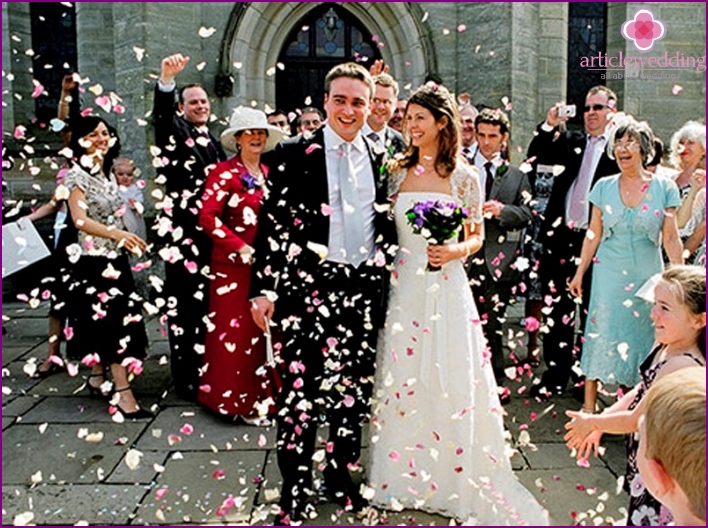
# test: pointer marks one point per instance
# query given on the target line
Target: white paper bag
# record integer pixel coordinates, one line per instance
(21, 246)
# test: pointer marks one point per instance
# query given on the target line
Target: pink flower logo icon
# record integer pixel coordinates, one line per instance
(643, 30)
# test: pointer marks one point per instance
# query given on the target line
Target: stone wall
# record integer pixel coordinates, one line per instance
(653, 99)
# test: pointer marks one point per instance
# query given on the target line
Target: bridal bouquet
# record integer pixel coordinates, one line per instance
(436, 221)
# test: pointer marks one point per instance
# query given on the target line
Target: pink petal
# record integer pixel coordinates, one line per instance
(160, 493)
(191, 266)
(312, 148)
(38, 89)
(186, 429)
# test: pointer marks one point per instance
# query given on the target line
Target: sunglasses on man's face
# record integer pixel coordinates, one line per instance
(595, 107)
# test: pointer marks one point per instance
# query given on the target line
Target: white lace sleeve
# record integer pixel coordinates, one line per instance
(395, 179)
(465, 187)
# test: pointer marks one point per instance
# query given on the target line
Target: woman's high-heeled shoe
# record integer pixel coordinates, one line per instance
(139, 414)
(97, 392)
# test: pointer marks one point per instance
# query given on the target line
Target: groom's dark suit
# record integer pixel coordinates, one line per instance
(329, 312)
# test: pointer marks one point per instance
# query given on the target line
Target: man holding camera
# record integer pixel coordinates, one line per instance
(582, 158)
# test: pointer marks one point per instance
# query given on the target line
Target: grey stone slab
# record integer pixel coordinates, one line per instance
(542, 421)
(60, 384)
(15, 382)
(155, 332)
(26, 327)
(154, 380)
(579, 491)
(144, 473)
(194, 494)
(12, 353)
(269, 490)
(77, 409)
(20, 405)
(208, 432)
(7, 422)
(615, 455)
(60, 454)
(101, 504)
(548, 456)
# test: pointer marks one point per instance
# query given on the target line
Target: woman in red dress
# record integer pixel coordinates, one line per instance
(234, 382)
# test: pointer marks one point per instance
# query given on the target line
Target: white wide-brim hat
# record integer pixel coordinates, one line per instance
(244, 118)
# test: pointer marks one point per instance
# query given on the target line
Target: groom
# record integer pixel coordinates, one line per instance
(324, 241)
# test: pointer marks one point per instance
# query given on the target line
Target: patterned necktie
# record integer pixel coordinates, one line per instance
(577, 207)
(489, 179)
(466, 152)
(353, 219)
(373, 136)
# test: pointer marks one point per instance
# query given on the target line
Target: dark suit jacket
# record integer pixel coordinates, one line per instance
(186, 168)
(502, 235)
(394, 142)
(292, 223)
(566, 150)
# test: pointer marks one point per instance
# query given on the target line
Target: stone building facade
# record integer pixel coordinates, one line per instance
(501, 53)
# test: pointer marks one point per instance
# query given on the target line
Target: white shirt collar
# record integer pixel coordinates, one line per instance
(333, 140)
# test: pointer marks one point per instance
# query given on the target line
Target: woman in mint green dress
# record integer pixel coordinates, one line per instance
(632, 216)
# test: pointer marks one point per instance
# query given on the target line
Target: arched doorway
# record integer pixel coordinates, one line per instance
(258, 32)
(325, 37)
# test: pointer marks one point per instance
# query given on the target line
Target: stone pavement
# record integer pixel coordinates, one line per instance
(65, 461)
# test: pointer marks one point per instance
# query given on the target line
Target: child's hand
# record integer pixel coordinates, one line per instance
(131, 201)
(579, 427)
(591, 444)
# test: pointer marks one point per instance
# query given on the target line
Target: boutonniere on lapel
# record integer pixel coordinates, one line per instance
(250, 182)
(500, 164)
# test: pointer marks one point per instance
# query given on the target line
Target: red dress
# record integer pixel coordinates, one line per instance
(234, 346)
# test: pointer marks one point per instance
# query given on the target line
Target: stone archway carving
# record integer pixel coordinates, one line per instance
(256, 32)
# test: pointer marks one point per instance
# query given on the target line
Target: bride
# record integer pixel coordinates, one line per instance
(437, 437)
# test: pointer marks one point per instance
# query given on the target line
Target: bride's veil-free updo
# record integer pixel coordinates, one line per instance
(440, 102)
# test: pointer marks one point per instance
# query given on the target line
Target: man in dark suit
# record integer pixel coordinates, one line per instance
(583, 159)
(383, 104)
(320, 273)
(507, 194)
(188, 152)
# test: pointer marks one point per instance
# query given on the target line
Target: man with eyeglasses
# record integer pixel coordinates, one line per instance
(383, 104)
(311, 119)
(468, 132)
(579, 160)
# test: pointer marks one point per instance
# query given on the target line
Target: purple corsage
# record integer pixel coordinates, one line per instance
(250, 182)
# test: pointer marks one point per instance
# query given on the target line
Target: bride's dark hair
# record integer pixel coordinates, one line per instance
(440, 102)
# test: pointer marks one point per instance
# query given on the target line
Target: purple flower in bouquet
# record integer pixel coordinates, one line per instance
(436, 221)
(250, 182)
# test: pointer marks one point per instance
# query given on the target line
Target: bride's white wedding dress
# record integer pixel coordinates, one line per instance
(437, 437)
